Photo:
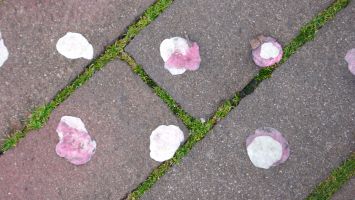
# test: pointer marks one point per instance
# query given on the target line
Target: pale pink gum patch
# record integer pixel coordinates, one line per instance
(261, 62)
(190, 61)
(350, 59)
(75, 144)
(276, 135)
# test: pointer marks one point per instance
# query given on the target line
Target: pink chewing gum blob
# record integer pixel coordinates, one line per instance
(261, 62)
(75, 143)
(277, 136)
(190, 61)
(350, 59)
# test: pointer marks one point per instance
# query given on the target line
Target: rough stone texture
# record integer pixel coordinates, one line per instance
(119, 112)
(222, 29)
(310, 99)
(347, 192)
(35, 71)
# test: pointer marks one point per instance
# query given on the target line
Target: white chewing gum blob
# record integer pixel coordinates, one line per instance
(75, 45)
(164, 141)
(268, 50)
(264, 151)
(4, 53)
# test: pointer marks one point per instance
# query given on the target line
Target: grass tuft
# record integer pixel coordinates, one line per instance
(13, 140)
(335, 181)
(308, 31)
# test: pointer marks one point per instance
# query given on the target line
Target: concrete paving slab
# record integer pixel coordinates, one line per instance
(35, 71)
(310, 99)
(119, 112)
(223, 30)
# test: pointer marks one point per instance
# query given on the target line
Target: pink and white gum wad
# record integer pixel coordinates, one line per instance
(75, 144)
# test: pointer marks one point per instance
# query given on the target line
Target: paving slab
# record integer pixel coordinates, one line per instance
(347, 192)
(223, 30)
(119, 112)
(310, 99)
(35, 71)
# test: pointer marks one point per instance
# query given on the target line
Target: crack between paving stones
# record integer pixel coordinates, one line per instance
(337, 178)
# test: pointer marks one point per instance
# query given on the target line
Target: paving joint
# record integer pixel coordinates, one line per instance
(338, 177)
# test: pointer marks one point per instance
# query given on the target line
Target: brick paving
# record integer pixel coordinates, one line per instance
(309, 99)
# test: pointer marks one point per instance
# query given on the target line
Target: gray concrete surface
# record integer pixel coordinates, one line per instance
(310, 99)
(119, 112)
(35, 71)
(223, 30)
